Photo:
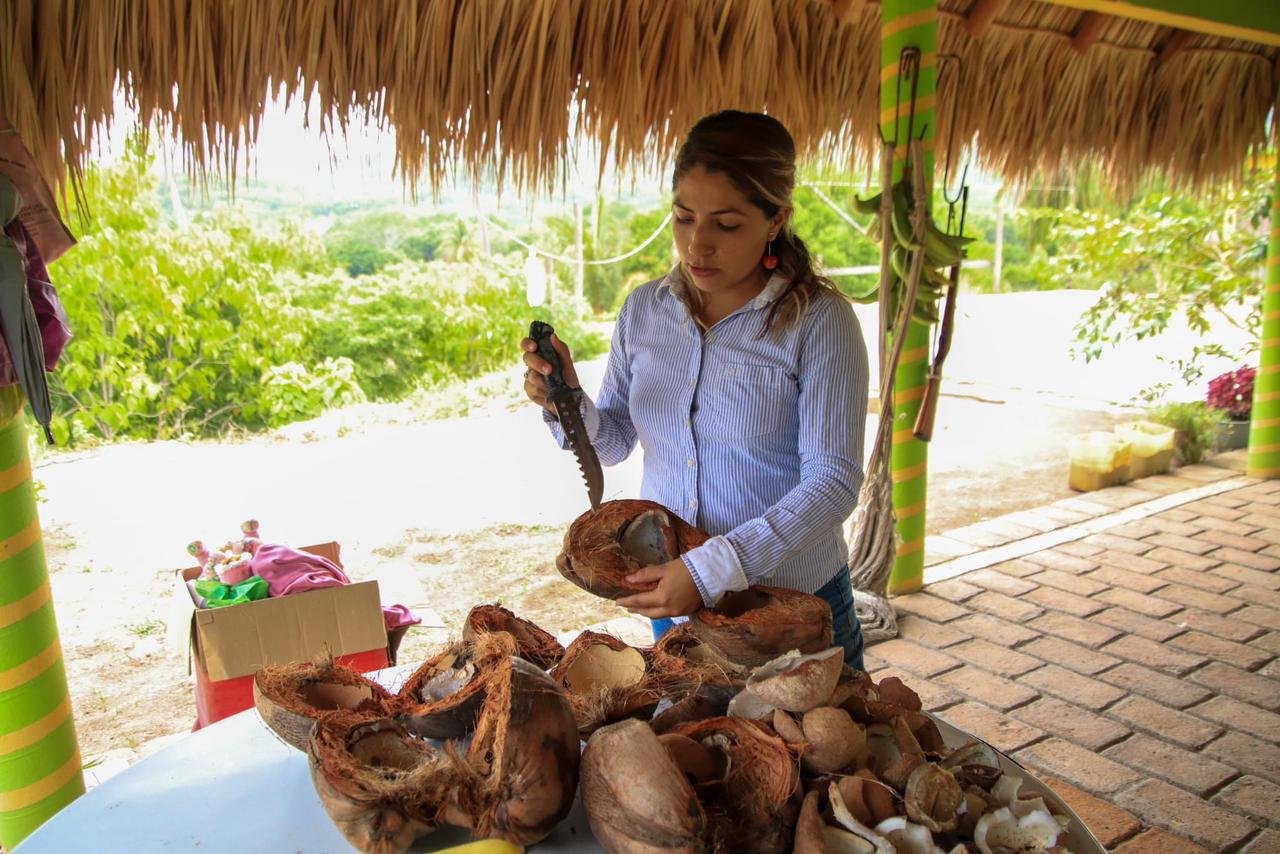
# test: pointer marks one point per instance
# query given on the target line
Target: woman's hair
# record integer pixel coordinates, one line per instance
(756, 153)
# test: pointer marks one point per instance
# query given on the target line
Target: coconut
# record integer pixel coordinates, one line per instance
(750, 707)
(442, 697)
(756, 625)
(289, 697)
(606, 680)
(788, 727)
(933, 798)
(760, 797)
(382, 787)
(700, 765)
(892, 690)
(533, 644)
(834, 740)
(523, 759)
(636, 796)
(706, 701)
(853, 793)
(868, 841)
(605, 545)
(797, 683)
(680, 655)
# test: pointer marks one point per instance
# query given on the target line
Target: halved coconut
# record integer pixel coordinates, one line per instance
(834, 740)
(874, 842)
(289, 697)
(606, 680)
(382, 787)
(533, 644)
(442, 698)
(760, 797)
(681, 656)
(706, 701)
(756, 625)
(933, 798)
(636, 796)
(603, 546)
(523, 760)
(814, 836)
(797, 683)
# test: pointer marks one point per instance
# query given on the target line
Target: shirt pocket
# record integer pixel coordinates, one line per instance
(743, 401)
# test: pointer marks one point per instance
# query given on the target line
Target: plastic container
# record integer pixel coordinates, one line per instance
(1098, 460)
(1152, 447)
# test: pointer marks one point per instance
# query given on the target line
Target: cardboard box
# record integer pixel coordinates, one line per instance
(225, 646)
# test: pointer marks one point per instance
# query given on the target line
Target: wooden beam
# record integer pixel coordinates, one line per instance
(981, 16)
(1255, 21)
(1172, 46)
(1088, 31)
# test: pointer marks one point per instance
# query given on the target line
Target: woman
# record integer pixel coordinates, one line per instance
(743, 375)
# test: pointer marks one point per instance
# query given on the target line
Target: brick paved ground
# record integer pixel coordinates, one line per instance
(1129, 657)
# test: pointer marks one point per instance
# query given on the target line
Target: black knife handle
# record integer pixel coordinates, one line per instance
(541, 334)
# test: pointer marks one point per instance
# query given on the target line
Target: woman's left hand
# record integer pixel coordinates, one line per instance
(674, 596)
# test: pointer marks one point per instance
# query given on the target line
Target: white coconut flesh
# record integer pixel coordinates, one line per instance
(448, 682)
(908, 838)
(1001, 830)
(598, 667)
(747, 705)
(330, 695)
(645, 538)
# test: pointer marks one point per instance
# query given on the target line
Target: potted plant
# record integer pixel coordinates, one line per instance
(1232, 393)
(1197, 427)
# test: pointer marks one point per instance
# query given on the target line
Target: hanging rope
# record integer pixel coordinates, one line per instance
(564, 259)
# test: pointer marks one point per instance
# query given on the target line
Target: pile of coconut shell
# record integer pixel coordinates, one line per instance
(478, 738)
(814, 757)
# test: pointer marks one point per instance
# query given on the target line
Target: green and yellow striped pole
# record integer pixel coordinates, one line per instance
(909, 23)
(40, 769)
(1264, 422)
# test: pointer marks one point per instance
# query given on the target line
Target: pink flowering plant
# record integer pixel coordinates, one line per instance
(1232, 392)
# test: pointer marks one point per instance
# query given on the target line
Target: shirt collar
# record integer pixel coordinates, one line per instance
(674, 283)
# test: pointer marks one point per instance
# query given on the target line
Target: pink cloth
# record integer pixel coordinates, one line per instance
(288, 571)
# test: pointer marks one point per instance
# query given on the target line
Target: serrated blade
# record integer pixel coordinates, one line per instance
(575, 431)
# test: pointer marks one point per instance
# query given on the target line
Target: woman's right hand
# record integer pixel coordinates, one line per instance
(537, 368)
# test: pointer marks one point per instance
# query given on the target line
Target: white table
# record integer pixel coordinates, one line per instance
(235, 787)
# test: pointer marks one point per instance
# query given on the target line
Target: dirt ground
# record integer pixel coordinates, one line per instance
(449, 513)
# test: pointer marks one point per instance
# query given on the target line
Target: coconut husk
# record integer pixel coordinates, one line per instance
(382, 787)
(637, 798)
(442, 698)
(533, 644)
(758, 624)
(606, 681)
(289, 697)
(707, 701)
(681, 655)
(522, 764)
(755, 811)
(604, 545)
(797, 683)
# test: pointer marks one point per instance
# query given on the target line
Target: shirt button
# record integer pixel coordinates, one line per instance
(692, 382)
(690, 462)
(693, 504)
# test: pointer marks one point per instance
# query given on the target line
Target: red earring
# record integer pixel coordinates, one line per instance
(769, 261)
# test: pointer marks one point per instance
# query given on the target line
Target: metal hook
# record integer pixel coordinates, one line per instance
(908, 66)
(951, 136)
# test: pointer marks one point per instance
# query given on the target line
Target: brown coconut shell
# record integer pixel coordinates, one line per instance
(797, 683)
(382, 787)
(758, 624)
(523, 760)
(680, 655)
(533, 644)
(606, 680)
(707, 701)
(834, 740)
(637, 798)
(932, 797)
(756, 808)
(442, 698)
(289, 697)
(603, 546)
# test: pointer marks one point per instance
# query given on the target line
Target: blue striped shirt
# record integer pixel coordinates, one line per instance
(757, 439)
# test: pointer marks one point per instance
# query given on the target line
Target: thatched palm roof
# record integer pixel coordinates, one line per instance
(491, 85)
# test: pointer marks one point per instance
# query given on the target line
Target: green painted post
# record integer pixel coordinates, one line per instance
(1264, 421)
(909, 23)
(40, 768)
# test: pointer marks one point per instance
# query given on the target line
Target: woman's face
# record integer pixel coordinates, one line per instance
(719, 234)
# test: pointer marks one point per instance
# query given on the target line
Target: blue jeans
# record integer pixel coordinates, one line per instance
(847, 631)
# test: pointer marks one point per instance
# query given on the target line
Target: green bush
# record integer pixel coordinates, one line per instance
(415, 324)
(174, 327)
(1196, 426)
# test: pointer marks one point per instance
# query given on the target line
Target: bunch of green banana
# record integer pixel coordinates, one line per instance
(941, 251)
